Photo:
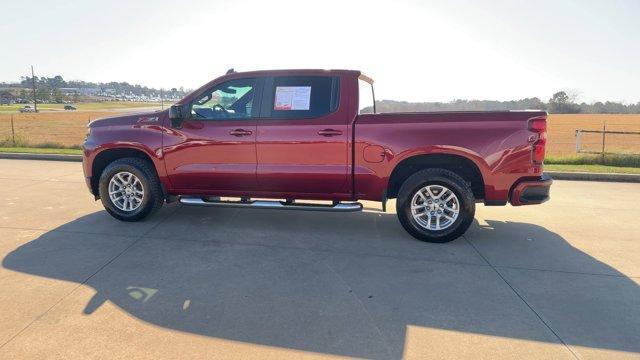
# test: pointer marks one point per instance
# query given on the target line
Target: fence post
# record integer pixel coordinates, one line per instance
(13, 132)
(604, 133)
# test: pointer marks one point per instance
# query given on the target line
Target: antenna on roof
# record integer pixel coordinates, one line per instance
(230, 71)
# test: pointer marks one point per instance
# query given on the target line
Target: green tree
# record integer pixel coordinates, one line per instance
(57, 96)
(42, 93)
(25, 95)
(56, 82)
(560, 103)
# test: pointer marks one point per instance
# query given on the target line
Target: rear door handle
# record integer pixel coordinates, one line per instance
(240, 132)
(329, 132)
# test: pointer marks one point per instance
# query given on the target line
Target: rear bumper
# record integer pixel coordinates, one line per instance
(531, 192)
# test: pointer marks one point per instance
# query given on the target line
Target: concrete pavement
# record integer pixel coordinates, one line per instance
(559, 280)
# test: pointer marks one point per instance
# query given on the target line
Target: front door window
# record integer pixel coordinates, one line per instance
(230, 100)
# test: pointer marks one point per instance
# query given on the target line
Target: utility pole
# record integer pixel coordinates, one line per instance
(161, 100)
(33, 83)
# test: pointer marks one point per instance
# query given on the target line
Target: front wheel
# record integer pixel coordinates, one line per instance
(435, 205)
(130, 189)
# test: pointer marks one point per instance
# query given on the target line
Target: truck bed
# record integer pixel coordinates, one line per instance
(498, 143)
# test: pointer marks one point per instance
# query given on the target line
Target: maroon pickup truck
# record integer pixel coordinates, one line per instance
(300, 135)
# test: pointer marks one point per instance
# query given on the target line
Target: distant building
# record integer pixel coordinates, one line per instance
(69, 91)
(81, 91)
(6, 98)
(90, 91)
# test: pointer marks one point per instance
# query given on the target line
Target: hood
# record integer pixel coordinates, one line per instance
(130, 119)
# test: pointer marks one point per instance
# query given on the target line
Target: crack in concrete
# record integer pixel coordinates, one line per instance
(364, 309)
(523, 300)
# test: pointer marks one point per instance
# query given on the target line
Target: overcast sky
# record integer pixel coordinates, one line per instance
(415, 50)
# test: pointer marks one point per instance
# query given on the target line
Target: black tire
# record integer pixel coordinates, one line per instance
(153, 197)
(442, 177)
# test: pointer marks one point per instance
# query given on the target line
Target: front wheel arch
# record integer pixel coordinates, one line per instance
(106, 157)
(140, 169)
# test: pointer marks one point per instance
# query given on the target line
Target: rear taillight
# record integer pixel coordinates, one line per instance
(539, 126)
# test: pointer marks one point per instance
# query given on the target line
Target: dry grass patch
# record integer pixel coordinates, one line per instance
(562, 133)
(65, 128)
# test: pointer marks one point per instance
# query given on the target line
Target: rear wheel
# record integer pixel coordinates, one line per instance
(130, 189)
(435, 205)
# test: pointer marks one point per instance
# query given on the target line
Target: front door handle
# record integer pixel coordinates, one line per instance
(329, 132)
(240, 132)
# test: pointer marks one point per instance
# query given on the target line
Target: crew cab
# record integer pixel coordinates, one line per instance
(282, 139)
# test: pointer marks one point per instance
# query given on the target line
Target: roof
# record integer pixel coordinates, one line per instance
(283, 72)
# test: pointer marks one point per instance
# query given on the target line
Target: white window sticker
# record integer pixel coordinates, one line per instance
(292, 98)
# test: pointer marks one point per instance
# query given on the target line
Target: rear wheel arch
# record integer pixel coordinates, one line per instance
(106, 157)
(464, 167)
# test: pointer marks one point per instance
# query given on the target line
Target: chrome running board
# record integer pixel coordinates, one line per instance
(272, 204)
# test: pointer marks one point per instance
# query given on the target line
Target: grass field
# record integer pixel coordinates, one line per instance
(623, 160)
(30, 150)
(562, 133)
(90, 106)
(68, 128)
(61, 128)
(592, 168)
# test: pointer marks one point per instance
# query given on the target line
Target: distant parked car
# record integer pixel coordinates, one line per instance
(27, 109)
(69, 107)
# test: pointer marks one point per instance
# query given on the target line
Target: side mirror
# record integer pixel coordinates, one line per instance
(177, 114)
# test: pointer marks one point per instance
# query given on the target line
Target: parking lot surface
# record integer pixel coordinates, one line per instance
(559, 280)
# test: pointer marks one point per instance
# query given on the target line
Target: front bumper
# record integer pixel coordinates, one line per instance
(531, 192)
(88, 156)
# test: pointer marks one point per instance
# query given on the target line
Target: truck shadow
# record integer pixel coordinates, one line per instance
(346, 284)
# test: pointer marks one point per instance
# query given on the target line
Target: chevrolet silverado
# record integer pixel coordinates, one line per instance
(282, 139)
